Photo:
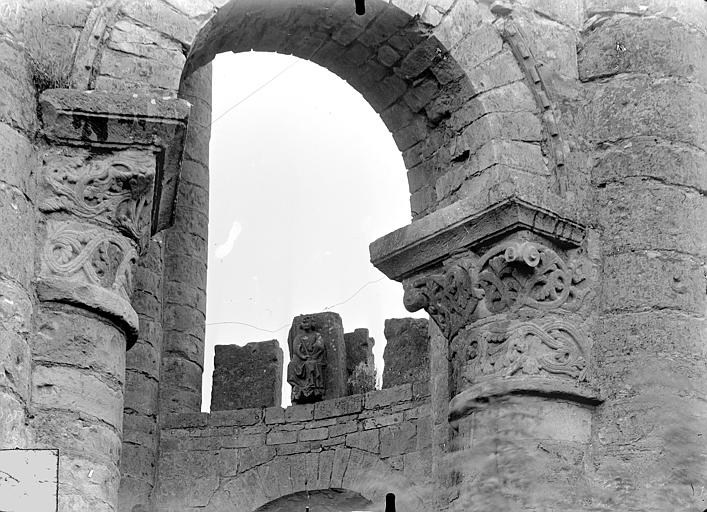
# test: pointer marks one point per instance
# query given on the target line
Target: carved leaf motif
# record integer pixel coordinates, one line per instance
(552, 346)
(93, 254)
(517, 274)
(450, 298)
(117, 190)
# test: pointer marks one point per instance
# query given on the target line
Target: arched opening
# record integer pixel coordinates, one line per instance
(327, 500)
(303, 176)
(388, 56)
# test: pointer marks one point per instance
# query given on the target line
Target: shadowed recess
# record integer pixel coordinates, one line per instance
(327, 500)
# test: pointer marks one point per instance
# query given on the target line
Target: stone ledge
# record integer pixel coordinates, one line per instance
(459, 226)
(93, 298)
(390, 396)
(478, 395)
(121, 121)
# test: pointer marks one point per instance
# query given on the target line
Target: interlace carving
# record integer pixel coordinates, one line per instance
(119, 188)
(305, 371)
(552, 346)
(100, 257)
(517, 274)
(450, 298)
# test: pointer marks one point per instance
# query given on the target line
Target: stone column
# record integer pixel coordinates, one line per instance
(510, 291)
(106, 183)
(645, 117)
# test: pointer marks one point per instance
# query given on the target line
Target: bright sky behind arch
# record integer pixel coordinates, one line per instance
(303, 176)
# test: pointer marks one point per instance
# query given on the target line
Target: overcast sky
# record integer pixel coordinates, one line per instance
(304, 175)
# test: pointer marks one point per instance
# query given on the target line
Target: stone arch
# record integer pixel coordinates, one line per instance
(326, 500)
(455, 82)
(351, 469)
(458, 91)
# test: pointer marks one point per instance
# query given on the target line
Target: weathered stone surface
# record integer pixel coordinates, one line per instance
(359, 350)
(659, 47)
(317, 368)
(407, 350)
(248, 376)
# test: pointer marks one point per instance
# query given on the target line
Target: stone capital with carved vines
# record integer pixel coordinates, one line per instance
(510, 290)
(107, 183)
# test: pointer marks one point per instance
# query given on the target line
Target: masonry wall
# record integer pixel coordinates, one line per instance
(239, 460)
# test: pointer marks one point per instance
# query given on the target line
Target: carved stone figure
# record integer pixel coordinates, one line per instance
(305, 372)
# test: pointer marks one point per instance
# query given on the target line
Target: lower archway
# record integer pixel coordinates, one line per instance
(326, 500)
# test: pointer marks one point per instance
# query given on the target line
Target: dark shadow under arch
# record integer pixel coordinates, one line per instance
(327, 500)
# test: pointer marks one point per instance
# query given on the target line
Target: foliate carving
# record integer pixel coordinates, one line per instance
(117, 190)
(305, 371)
(93, 255)
(550, 346)
(450, 298)
(517, 274)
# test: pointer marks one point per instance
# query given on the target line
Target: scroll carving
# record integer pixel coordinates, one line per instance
(518, 274)
(305, 371)
(450, 298)
(93, 255)
(117, 190)
(549, 347)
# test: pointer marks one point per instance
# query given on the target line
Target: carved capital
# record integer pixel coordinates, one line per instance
(517, 274)
(90, 267)
(450, 297)
(115, 190)
(108, 182)
(101, 121)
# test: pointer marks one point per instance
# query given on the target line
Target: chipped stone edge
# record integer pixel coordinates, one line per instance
(478, 395)
(93, 298)
(421, 245)
(109, 120)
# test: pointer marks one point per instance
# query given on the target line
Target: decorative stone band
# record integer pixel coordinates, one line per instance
(479, 395)
(101, 120)
(460, 227)
(510, 276)
(91, 267)
(115, 190)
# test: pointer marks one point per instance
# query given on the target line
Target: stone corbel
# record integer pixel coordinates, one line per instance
(108, 182)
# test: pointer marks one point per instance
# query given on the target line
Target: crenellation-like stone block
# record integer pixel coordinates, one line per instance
(247, 377)
(406, 352)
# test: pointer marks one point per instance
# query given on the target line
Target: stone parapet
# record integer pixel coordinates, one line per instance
(388, 431)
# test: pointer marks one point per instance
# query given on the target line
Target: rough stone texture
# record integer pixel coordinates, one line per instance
(330, 444)
(407, 352)
(593, 112)
(329, 326)
(184, 264)
(359, 349)
(247, 377)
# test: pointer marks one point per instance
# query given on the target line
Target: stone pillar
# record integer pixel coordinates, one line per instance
(645, 116)
(185, 260)
(510, 290)
(317, 368)
(106, 183)
(247, 377)
(407, 352)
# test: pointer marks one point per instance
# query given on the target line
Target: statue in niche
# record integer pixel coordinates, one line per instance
(305, 372)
